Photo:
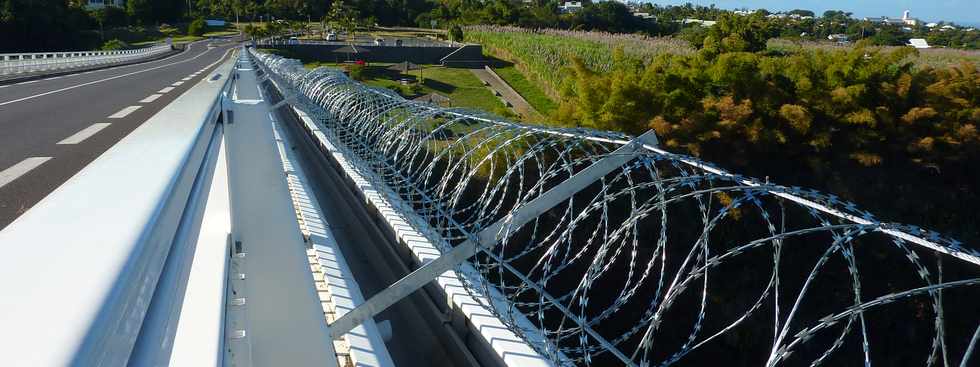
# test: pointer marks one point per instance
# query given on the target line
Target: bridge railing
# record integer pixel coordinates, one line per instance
(108, 253)
(22, 63)
(625, 254)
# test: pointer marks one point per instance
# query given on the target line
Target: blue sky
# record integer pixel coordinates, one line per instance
(961, 11)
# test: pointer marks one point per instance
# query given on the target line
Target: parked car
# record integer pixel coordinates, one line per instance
(379, 42)
(331, 36)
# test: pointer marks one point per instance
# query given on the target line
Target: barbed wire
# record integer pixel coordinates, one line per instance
(665, 260)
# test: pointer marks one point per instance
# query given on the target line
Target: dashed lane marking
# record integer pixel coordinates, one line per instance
(151, 98)
(85, 133)
(10, 174)
(124, 112)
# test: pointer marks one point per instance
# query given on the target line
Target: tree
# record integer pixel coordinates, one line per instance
(197, 27)
(140, 11)
(100, 15)
(735, 34)
(343, 16)
(801, 12)
(456, 33)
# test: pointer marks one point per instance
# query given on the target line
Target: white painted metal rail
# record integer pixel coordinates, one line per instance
(23, 63)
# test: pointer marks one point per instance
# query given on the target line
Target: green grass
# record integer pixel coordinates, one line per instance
(543, 55)
(229, 32)
(462, 87)
(530, 91)
(176, 39)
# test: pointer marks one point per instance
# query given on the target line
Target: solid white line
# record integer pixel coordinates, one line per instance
(177, 84)
(84, 134)
(151, 98)
(111, 78)
(166, 90)
(29, 82)
(124, 112)
(10, 174)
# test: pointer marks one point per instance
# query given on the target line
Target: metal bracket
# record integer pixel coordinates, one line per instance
(491, 235)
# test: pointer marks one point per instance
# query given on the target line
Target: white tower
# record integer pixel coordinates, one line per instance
(905, 15)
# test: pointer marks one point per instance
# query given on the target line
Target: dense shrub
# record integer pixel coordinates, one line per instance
(356, 71)
(114, 44)
(456, 33)
(197, 27)
(862, 122)
(168, 30)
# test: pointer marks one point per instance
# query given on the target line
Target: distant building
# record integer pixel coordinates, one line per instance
(570, 7)
(96, 4)
(905, 20)
(647, 16)
(918, 43)
(700, 22)
(840, 38)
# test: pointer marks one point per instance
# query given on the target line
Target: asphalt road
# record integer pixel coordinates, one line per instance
(51, 128)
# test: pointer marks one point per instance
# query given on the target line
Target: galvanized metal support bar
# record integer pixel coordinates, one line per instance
(490, 235)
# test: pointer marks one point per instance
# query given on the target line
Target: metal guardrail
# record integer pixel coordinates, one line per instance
(96, 249)
(661, 257)
(22, 63)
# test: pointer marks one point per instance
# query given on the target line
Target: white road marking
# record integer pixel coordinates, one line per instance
(151, 98)
(85, 133)
(166, 90)
(124, 112)
(29, 82)
(10, 174)
(187, 78)
(113, 77)
(177, 84)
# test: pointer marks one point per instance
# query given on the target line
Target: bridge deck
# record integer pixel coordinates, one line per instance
(285, 324)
